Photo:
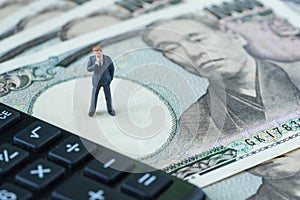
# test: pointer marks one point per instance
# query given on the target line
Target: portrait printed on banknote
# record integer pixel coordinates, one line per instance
(274, 179)
(280, 179)
(247, 54)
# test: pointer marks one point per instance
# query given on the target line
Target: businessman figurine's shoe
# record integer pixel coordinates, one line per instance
(91, 113)
(112, 112)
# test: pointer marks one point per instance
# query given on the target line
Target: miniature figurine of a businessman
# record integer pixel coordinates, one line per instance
(103, 73)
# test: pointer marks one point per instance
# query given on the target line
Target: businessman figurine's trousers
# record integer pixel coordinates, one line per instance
(95, 93)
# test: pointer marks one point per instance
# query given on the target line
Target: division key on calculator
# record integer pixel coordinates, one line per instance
(41, 161)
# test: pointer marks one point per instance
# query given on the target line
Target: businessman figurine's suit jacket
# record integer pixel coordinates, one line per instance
(104, 74)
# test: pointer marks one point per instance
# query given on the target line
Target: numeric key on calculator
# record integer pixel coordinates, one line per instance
(39, 174)
(37, 136)
(11, 157)
(71, 151)
(7, 117)
(10, 191)
(146, 185)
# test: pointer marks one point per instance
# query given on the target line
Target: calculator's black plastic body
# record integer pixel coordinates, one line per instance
(66, 171)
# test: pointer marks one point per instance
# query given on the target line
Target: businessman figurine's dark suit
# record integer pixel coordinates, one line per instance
(103, 74)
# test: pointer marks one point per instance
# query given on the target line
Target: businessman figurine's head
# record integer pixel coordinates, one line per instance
(98, 51)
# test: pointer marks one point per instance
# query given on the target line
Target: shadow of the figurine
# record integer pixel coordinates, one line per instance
(99, 113)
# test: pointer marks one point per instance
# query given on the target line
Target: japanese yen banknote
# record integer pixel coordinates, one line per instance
(202, 90)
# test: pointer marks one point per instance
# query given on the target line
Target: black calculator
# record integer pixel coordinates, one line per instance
(41, 161)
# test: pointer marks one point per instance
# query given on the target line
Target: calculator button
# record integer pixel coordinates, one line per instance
(39, 174)
(109, 169)
(80, 187)
(71, 151)
(37, 136)
(7, 117)
(11, 157)
(146, 185)
(9, 191)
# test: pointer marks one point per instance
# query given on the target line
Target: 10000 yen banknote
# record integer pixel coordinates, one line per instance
(7, 7)
(199, 95)
(61, 21)
(18, 15)
(275, 179)
(266, 37)
(47, 74)
(293, 4)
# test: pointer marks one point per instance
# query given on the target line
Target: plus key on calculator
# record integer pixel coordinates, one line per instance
(41, 161)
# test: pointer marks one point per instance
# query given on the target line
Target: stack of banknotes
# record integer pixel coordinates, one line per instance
(208, 91)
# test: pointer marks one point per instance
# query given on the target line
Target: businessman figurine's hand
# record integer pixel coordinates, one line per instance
(98, 60)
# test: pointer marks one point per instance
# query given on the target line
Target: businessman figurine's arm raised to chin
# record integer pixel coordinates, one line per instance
(91, 65)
